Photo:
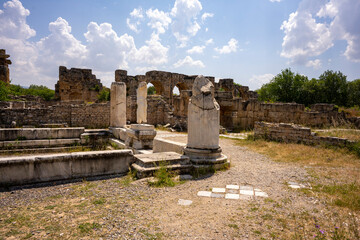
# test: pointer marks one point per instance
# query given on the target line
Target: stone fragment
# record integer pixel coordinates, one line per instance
(204, 194)
(235, 187)
(218, 190)
(232, 196)
(184, 202)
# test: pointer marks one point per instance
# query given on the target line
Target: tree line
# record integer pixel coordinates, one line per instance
(6, 90)
(331, 87)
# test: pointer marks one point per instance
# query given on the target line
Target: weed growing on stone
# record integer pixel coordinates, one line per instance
(164, 178)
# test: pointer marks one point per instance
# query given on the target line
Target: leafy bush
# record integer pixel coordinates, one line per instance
(104, 95)
(34, 90)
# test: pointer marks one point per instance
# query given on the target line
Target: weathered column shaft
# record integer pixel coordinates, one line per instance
(118, 104)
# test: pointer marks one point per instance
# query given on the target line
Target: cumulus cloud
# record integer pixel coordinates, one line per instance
(137, 15)
(159, 20)
(308, 35)
(275, 0)
(259, 80)
(188, 61)
(196, 49)
(316, 64)
(232, 46)
(206, 15)
(184, 23)
(304, 37)
(152, 53)
(209, 42)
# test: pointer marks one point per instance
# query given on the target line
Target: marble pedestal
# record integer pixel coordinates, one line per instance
(207, 158)
(140, 136)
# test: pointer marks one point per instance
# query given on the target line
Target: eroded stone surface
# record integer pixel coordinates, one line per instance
(118, 104)
(141, 112)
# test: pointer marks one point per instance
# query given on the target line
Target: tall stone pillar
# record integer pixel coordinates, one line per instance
(118, 104)
(4, 69)
(141, 111)
(203, 126)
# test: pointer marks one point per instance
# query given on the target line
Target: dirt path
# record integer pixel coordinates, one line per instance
(137, 211)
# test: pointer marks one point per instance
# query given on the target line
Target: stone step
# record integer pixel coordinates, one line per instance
(39, 143)
(146, 164)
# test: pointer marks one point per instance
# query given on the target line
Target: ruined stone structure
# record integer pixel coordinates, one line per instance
(4, 69)
(203, 126)
(77, 85)
(141, 102)
(292, 133)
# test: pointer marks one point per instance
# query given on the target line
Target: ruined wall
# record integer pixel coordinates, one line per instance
(77, 84)
(95, 115)
(292, 133)
(4, 66)
(246, 113)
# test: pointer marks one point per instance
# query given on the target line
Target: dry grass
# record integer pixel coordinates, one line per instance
(336, 171)
(351, 134)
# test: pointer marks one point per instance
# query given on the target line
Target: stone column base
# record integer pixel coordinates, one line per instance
(207, 158)
(140, 136)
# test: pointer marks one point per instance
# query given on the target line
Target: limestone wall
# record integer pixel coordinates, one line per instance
(292, 133)
(77, 84)
(95, 115)
(244, 114)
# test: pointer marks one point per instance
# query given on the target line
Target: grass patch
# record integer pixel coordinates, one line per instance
(232, 225)
(88, 227)
(351, 134)
(99, 201)
(342, 195)
(164, 178)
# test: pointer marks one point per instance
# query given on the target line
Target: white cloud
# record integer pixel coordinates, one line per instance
(258, 80)
(159, 20)
(188, 61)
(137, 13)
(210, 41)
(275, 0)
(184, 23)
(316, 64)
(13, 21)
(307, 36)
(196, 49)
(232, 46)
(107, 50)
(206, 15)
(152, 53)
(304, 37)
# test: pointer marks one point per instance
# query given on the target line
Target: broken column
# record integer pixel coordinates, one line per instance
(118, 104)
(141, 135)
(203, 127)
(4, 68)
(141, 111)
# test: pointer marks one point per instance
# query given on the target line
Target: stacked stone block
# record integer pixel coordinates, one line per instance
(292, 133)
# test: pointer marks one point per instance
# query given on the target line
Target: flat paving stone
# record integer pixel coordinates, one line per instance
(219, 190)
(204, 194)
(250, 188)
(185, 202)
(217, 195)
(232, 196)
(247, 192)
(261, 194)
(234, 187)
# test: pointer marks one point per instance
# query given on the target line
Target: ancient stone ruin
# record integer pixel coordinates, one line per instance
(203, 126)
(118, 105)
(77, 85)
(4, 66)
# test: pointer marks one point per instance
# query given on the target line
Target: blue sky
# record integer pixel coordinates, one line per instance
(248, 40)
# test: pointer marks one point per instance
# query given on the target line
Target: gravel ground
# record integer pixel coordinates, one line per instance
(137, 211)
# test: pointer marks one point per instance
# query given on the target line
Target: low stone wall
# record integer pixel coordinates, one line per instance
(42, 168)
(10, 134)
(96, 115)
(292, 133)
(163, 145)
(246, 113)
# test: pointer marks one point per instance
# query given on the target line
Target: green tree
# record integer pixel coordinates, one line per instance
(284, 87)
(354, 93)
(151, 90)
(4, 91)
(333, 88)
(104, 95)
